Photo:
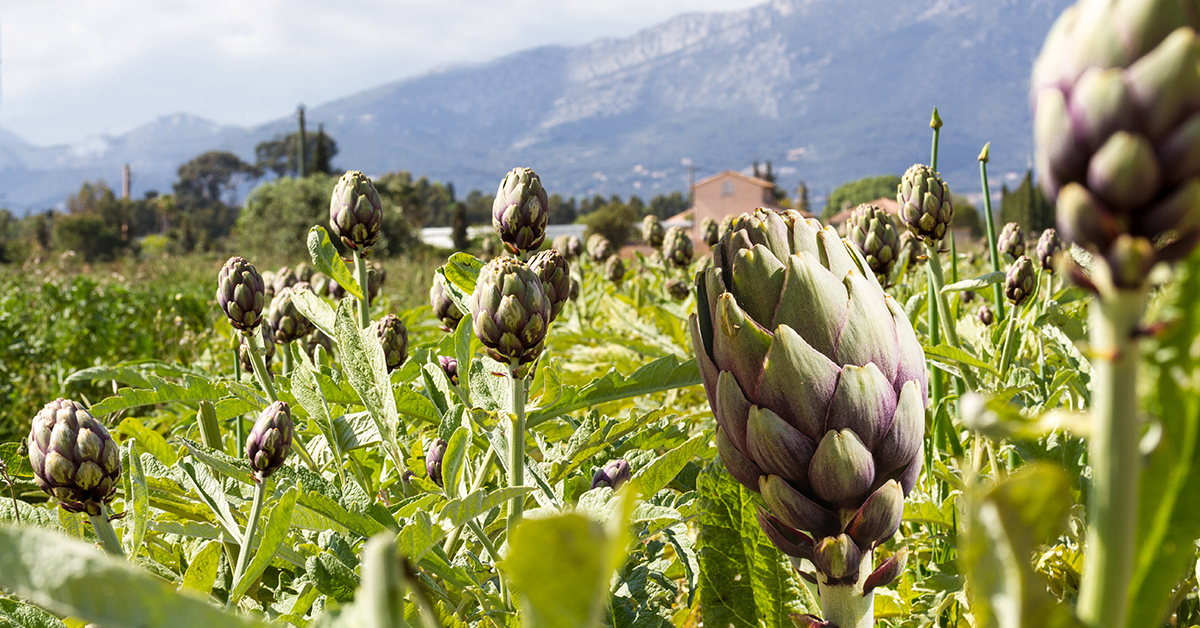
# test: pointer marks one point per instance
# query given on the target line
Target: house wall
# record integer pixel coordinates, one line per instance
(712, 202)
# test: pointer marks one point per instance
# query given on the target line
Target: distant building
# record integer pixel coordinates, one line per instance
(730, 192)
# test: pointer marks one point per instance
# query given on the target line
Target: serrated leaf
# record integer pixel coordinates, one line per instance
(128, 375)
(204, 485)
(951, 357)
(362, 358)
(977, 283)
(137, 499)
(325, 259)
(202, 568)
(279, 522)
(357, 523)
(665, 373)
(154, 442)
(418, 535)
(653, 477)
(161, 391)
(17, 615)
(461, 510)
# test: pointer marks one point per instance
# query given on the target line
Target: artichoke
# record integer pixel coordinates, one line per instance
(555, 272)
(449, 367)
(510, 313)
(74, 459)
(678, 289)
(393, 335)
(1011, 240)
(284, 278)
(652, 231)
(710, 231)
(355, 211)
(986, 316)
(726, 223)
(241, 293)
(304, 272)
(320, 284)
(614, 269)
(444, 307)
(818, 385)
(871, 230)
(268, 278)
(910, 247)
(521, 211)
(966, 296)
(1117, 132)
(376, 276)
(574, 289)
(270, 440)
(1048, 246)
(433, 460)
(599, 248)
(287, 323)
(1018, 281)
(268, 351)
(925, 206)
(569, 246)
(677, 247)
(612, 475)
(317, 338)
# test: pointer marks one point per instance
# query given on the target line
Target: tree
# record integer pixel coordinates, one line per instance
(863, 190)
(802, 202)
(613, 220)
(321, 155)
(278, 215)
(966, 215)
(1026, 206)
(207, 193)
(461, 241)
(279, 154)
(667, 205)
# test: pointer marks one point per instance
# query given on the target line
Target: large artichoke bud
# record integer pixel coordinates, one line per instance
(555, 272)
(677, 247)
(1117, 131)
(612, 475)
(1018, 281)
(355, 211)
(614, 269)
(74, 459)
(710, 231)
(433, 460)
(510, 313)
(304, 272)
(872, 231)
(599, 248)
(925, 206)
(287, 323)
(818, 385)
(726, 223)
(284, 278)
(444, 307)
(268, 344)
(241, 293)
(569, 246)
(678, 289)
(1048, 245)
(393, 335)
(1011, 240)
(521, 211)
(652, 231)
(270, 440)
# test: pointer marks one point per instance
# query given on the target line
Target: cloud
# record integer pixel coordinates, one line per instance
(74, 68)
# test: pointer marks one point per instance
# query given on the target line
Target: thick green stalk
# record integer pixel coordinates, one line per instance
(287, 359)
(943, 305)
(364, 304)
(260, 492)
(516, 447)
(1113, 455)
(210, 431)
(937, 391)
(106, 534)
(845, 605)
(997, 290)
(260, 367)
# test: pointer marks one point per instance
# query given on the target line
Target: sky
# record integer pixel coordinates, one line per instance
(70, 69)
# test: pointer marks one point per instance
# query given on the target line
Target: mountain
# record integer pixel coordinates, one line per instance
(828, 90)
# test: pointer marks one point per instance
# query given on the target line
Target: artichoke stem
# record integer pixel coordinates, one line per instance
(516, 447)
(937, 390)
(1113, 455)
(210, 431)
(844, 605)
(933, 152)
(997, 289)
(943, 306)
(237, 366)
(287, 359)
(260, 367)
(260, 492)
(364, 304)
(106, 534)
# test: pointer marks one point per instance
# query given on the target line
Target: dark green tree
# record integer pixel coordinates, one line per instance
(321, 154)
(1027, 206)
(279, 155)
(459, 231)
(613, 220)
(206, 193)
(863, 190)
(966, 216)
(562, 211)
(667, 205)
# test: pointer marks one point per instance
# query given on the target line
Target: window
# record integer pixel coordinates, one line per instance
(727, 188)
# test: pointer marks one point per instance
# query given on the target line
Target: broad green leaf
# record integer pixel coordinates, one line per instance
(137, 499)
(464, 336)
(72, 522)
(128, 375)
(154, 442)
(461, 271)
(453, 460)
(18, 615)
(362, 357)
(546, 497)
(651, 478)
(161, 391)
(685, 552)
(411, 403)
(665, 373)
(202, 568)
(466, 508)
(220, 461)
(15, 464)
(977, 283)
(325, 259)
(208, 489)
(950, 357)
(315, 309)
(73, 578)
(360, 524)
(279, 522)
(418, 535)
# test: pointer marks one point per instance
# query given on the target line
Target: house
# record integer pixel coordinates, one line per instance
(730, 192)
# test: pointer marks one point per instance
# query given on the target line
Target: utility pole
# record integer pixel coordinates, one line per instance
(301, 149)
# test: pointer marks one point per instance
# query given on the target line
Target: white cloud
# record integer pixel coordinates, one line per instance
(73, 68)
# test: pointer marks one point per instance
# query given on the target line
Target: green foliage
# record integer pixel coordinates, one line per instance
(614, 220)
(966, 216)
(1027, 206)
(279, 155)
(863, 190)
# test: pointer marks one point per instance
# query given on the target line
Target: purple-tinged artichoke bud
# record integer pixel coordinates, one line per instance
(270, 440)
(986, 316)
(818, 384)
(336, 291)
(966, 296)
(652, 231)
(569, 245)
(449, 367)
(599, 248)
(555, 272)
(614, 269)
(811, 621)
(1048, 247)
(872, 231)
(320, 284)
(355, 211)
(284, 278)
(510, 313)
(74, 459)
(1011, 240)
(1019, 280)
(677, 247)
(316, 338)
(268, 350)
(304, 272)
(925, 206)
(1117, 133)
(241, 293)
(433, 460)
(376, 277)
(612, 475)
(444, 307)
(393, 335)
(287, 323)
(574, 289)
(268, 278)
(710, 232)
(521, 211)
(678, 289)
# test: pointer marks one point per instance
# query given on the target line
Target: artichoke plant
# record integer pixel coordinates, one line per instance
(726, 223)
(911, 248)
(986, 316)
(710, 231)
(241, 293)
(818, 385)
(614, 269)
(1011, 240)
(652, 231)
(599, 248)
(287, 323)
(521, 211)
(574, 289)
(1048, 246)
(569, 246)
(284, 278)
(871, 230)
(449, 367)
(677, 247)
(555, 272)
(433, 460)
(678, 289)
(925, 206)
(270, 440)
(1019, 280)
(612, 475)
(393, 335)
(355, 211)
(510, 313)
(444, 307)
(268, 351)
(74, 459)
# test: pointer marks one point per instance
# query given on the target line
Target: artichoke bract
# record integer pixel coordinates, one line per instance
(1048, 246)
(872, 231)
(393, 335)
(270, 440)
(1117, 131)
(521, 211)
(818, 385)
(1019, 280)
(710, 231)
(614, 269)
(510, 313)
(355, 211)
(74, 459)
(612, 475)
(1011, 240)
(677, 247)
(433, 460)
(287, 323)
(652, 231)
(444, 307)
(555, 272)
(599, 248)
(241, 293)
(284, 278)
(925, 206)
